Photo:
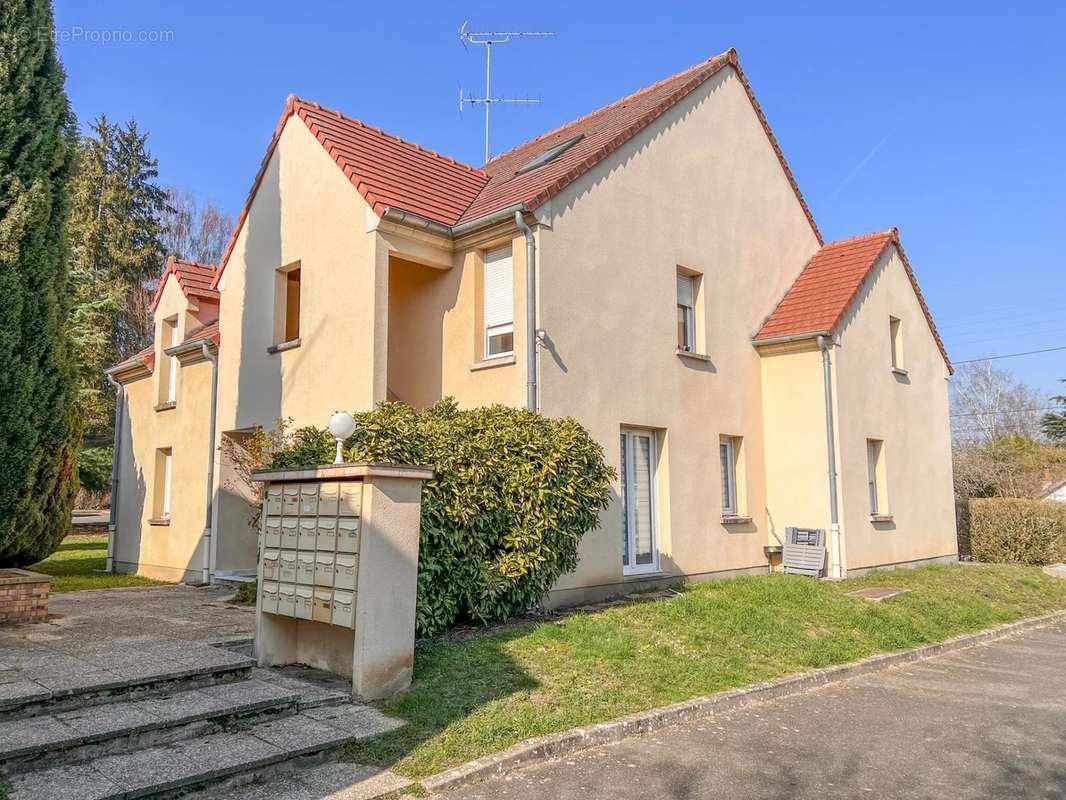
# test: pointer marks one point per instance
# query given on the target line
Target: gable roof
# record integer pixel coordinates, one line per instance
(604, 131)
(822, 294)
(194, 278)
(390, 172)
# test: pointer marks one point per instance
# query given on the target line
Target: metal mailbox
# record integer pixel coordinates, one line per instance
(272, 532)
(270, 565)
(308, 499)
(308, 534)
(351, 499)
(326, 539)
(348, 535)
(343, 609)
(290, 500)
(305, 567)
(287, 571)
(344, 572)
(328, 497)
(289, 532)
(305, 602)
(287, 600)
(273, 501)
(324, 569)
(270, 597)
(322, 611)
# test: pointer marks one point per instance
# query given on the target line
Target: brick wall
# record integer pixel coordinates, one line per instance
(23, 596)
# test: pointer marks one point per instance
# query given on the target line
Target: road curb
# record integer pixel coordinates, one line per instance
(555, 745)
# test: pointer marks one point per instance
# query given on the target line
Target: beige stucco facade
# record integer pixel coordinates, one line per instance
(395, 311)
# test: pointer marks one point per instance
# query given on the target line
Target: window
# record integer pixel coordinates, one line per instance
(287, 304)
(896, 337)
(499, 304)
(728, 448)
(550, 154)
(168, 375)
(875, 471)
(164, 471)
(640, 552)
(686, 313)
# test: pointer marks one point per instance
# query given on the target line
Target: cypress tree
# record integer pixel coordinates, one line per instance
(39, 429)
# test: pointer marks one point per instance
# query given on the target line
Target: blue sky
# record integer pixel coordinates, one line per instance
(943, 119)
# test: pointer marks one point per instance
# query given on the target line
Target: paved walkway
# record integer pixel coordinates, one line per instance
(988, 722)
(126, 616)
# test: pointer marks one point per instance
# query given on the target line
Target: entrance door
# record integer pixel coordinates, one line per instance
(640, 545)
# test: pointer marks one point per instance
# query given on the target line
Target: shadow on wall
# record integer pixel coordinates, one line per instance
(133, 494)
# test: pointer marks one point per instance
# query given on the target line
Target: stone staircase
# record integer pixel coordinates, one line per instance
(171, 718)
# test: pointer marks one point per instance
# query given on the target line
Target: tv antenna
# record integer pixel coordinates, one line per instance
(489, 38)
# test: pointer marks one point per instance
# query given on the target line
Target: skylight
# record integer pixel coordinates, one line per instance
(550, 154)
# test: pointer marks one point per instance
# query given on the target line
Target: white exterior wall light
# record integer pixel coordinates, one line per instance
(341, 425)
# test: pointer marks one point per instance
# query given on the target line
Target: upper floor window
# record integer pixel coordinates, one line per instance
(164, 473)
(168, 375)
(686, 313)
(895, 333)
(287, 304)
(499, 303)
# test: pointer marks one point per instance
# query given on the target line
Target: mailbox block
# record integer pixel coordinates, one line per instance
(338, 572)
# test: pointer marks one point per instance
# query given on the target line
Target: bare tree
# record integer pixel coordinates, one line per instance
(192, 231)
(988, 403)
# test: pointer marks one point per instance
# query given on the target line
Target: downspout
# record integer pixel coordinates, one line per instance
(531, 312)
(208, 520)
(830, 443)
(116, 456)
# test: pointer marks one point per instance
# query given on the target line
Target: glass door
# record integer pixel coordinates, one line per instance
(640, 546)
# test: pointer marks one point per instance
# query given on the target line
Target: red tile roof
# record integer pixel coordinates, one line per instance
(391, 172)
(195, 279)
(208, 331)
(829, 284)
(144, 358)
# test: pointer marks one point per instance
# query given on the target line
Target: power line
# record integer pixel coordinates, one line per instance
(1010, 355)
(1003, 411)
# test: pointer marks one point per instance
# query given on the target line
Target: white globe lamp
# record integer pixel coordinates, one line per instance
(341, 425)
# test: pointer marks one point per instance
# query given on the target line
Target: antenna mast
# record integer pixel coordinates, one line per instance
(489, 38)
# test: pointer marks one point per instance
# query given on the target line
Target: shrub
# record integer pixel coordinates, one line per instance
(94, 469)
(512, 495)
(1017, 531)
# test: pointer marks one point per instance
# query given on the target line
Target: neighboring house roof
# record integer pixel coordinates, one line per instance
(390, 172)
(822, 294)
(208, 331)
(195, 279)
(142, 361)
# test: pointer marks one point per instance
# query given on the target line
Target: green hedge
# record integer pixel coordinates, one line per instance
(1017, 531)
(513, 494)
(94, 469)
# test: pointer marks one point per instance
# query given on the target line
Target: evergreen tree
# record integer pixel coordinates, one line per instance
(1054, 422)
(39, 430)
(117, 252)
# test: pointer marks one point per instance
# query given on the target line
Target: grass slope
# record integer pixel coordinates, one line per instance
(73, 566)
(482, 693)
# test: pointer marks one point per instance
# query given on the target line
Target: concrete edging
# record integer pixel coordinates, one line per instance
(555, 745)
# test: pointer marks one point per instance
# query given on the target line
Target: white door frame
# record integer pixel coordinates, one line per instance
(628, 436)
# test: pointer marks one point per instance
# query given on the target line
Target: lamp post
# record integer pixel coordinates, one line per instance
(341, 425)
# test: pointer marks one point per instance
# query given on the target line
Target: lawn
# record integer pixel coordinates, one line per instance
(481, 693)
(73, 566)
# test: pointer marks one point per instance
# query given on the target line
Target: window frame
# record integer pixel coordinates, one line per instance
(170, 324)
(876, 478)
(496, 328)
(895, 343)
(283, 284)
(627, 475)
(727, 461)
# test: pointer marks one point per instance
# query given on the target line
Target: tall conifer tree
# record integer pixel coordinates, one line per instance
(39, 430)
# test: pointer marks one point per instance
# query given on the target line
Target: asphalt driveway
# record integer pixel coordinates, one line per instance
(988, 722)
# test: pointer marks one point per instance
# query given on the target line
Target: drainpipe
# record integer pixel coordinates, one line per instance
(116, 456)
(208, 520)
(830, 443)
(531, 312)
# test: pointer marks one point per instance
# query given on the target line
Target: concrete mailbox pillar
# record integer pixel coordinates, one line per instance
(338, 572)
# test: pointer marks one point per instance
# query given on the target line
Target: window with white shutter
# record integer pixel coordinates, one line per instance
(686, 313)
(499, 303)
(640, 550)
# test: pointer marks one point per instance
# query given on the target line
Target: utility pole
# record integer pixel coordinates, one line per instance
(489, 38)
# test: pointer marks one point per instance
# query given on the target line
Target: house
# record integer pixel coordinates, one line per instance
(651, 269)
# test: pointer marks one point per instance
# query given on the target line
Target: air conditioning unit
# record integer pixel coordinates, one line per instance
(804, 552)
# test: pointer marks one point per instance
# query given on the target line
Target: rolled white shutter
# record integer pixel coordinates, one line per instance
(499, 288)
(685, 295)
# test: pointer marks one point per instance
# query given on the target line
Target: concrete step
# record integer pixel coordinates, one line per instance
(95, 731)
(335, 781)
(42, 681)
(259, 751)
